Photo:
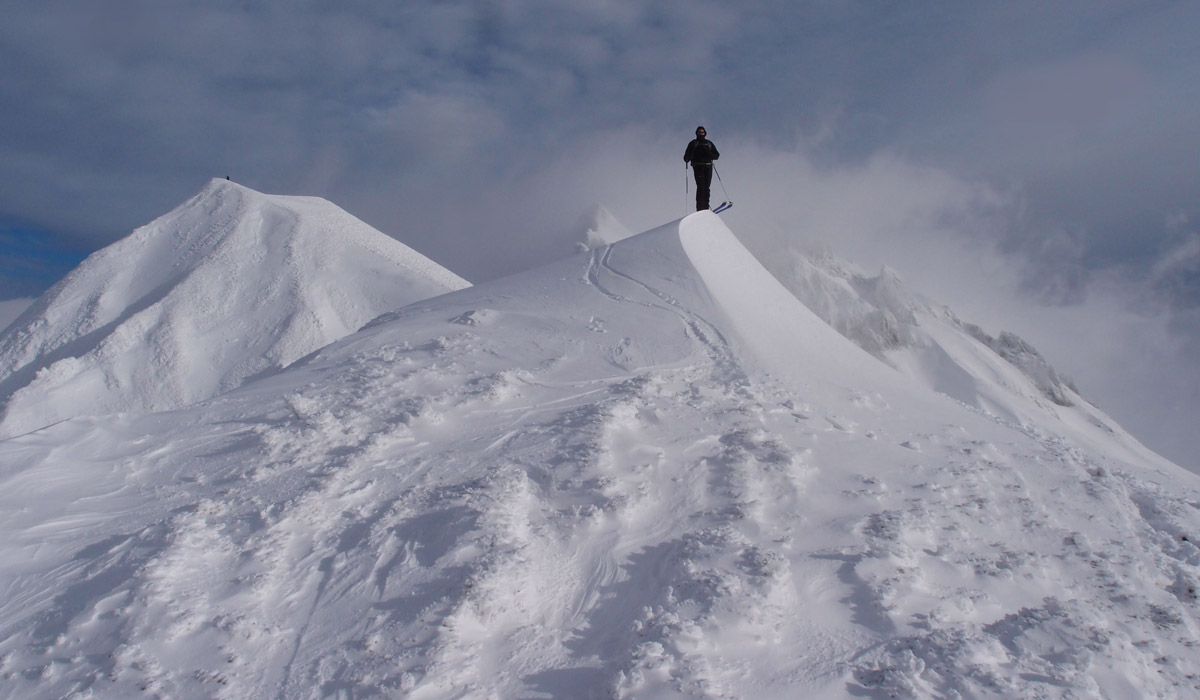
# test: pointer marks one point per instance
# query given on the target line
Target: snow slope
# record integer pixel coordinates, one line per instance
(229, 285)
(1003, 376)
(647, 471)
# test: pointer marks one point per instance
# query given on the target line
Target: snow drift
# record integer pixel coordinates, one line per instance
(647, 471)
(230, 285)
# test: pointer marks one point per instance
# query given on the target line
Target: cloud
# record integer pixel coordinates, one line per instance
(1010, 157)
(1182, 259)
(1135, 360)
(1066, 104)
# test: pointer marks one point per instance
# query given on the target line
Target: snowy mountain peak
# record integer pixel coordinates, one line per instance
(231, 284)
(645, 471)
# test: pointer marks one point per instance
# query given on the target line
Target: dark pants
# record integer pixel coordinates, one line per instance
(703, 173)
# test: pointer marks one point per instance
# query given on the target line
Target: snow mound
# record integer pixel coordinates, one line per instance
(230, 285)
(647, 471)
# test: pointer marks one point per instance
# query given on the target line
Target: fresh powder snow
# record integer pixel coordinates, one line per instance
(230, 285)
(646, 471)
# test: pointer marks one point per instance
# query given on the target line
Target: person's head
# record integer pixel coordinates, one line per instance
(700, 132)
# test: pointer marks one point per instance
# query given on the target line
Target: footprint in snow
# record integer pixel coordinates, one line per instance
(839, 423)
(476, 317)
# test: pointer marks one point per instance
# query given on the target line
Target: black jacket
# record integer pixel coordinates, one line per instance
(700, 151)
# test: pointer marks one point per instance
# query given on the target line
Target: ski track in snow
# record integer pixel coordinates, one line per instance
(461, 512)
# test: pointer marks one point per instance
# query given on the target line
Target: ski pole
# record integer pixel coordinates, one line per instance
(727, 197)
(685, 189)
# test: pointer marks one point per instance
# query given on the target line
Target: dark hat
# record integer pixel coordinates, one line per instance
(700, 128)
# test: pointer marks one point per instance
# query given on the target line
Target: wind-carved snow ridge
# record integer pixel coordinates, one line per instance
(647, 471)
(1004, 375)
(231, 285)
(602, 228)
(1026, 358)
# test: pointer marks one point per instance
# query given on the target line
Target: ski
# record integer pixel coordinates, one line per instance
(722, 207)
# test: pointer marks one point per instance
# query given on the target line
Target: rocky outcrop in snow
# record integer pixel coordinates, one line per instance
(882, 315)
(1026, 358)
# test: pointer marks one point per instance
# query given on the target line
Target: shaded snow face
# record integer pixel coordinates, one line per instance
(646, 471)
(1004, 376)
(1027, 359)
(892, 322)
(231, 285)
(883, 316)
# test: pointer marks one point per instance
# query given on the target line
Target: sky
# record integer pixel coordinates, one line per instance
(1035, 166)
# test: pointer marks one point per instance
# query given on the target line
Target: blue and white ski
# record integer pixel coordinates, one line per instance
(722, 207)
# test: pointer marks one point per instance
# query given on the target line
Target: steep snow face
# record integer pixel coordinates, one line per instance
(1003, 376)
(882, 315)
(229, 285)
(643, 472)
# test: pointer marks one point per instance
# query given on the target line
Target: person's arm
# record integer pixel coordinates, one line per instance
(687, 155)
(713, 147)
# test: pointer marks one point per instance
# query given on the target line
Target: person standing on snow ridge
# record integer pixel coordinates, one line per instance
(701, 153)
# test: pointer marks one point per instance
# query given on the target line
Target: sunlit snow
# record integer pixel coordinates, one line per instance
(646, 471)
(230, 285)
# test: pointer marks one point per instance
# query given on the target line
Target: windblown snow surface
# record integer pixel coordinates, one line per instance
(230, 285)
(647, 471)
(1003, 376)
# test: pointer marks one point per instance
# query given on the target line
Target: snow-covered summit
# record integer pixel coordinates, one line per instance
(881, 314)
(647, 471)
(1004, 375)
(231, 284)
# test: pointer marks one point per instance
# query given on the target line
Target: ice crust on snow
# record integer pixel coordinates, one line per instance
(230, 285)
(647, 471)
